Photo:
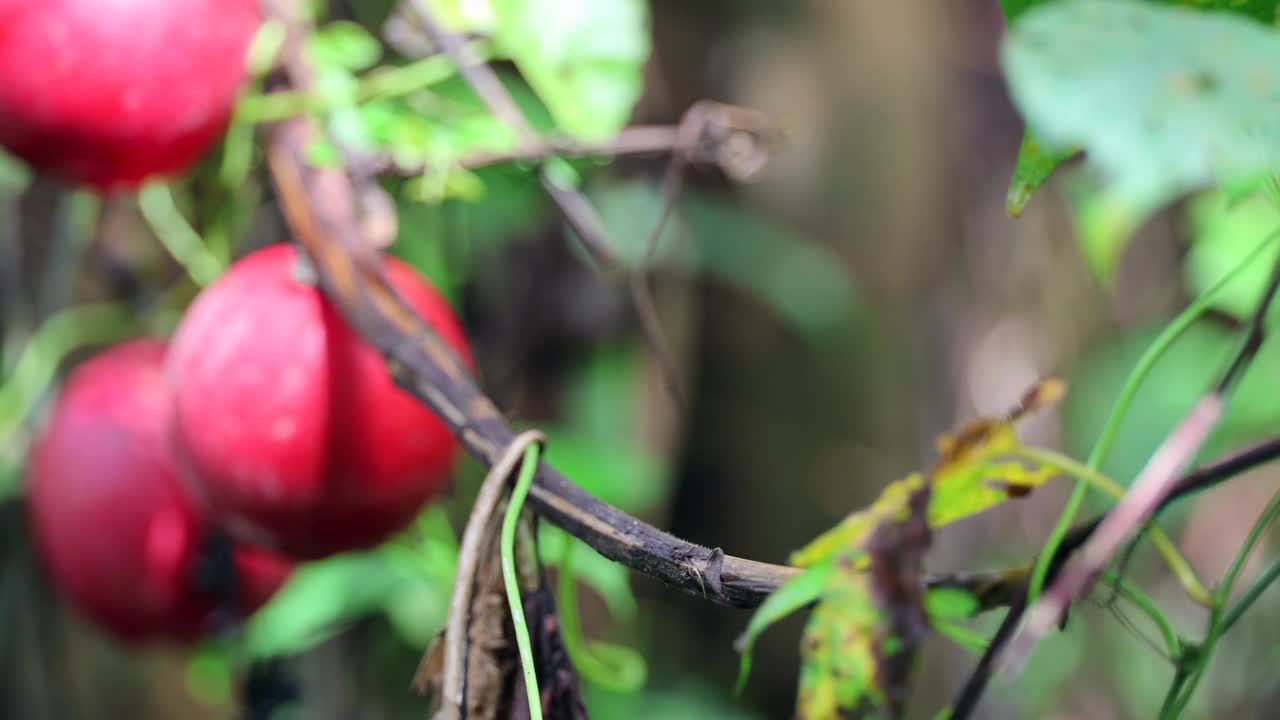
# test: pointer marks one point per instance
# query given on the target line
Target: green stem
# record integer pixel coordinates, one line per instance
(1264, 521)
(1143, 602)
(380, 84)
(1222, 593)
(1171, 695)
(66, 331)
(176, 234)
(1162, 542)
(1111, 429)
(38, 363)
(1251, 595)
(508, 543)
(627, 671)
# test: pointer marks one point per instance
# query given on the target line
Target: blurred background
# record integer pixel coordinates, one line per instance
(865, 292)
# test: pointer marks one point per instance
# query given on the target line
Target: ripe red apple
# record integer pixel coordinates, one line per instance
(289, 425)
(111, 92)
(118, 534)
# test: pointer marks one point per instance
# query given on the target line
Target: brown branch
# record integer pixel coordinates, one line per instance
(634, 140)
(318, 206)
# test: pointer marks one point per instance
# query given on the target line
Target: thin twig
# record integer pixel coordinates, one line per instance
(580, 214)
(473, 69)
(634, 140)
(1253, 341)
(1198, 480)
(691, 129)
(1155, 481)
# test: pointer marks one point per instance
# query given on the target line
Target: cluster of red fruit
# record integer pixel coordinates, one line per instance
(267, 431)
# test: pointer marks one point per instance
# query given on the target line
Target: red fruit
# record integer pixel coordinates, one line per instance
(110, 92)
(288, 423)
(118, 533)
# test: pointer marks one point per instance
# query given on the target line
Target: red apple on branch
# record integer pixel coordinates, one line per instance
(111, 92)
(289, 425)
(118, 534)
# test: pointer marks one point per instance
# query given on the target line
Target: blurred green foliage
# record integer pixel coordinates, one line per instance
(1197, 110)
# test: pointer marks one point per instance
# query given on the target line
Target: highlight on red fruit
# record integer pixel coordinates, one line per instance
(118, 534)
(289, 425)
(110, 92)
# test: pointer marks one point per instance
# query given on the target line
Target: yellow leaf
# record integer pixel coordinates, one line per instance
(972, 474)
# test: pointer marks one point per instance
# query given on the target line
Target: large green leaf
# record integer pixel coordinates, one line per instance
(1201, 107)
(584, 58)
(1035, 164)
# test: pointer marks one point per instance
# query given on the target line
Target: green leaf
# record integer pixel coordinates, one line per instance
(1013, 8)
(322, 153)
(600, 445)
(584, 58)
(1224, 231)
(1202, 106)
(945, 606)
(971, 475)
(1262, 10)
(609, 579)
(1032, 168)
(210, 675)
(15, 176)
(796, 593)
(1104, 225)
(344, 44)
(970, 640)
(860, 642)
(474, 16)
(801, 280)
(318, 599)
(951, 603)
(409, 578)
(838, 672)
